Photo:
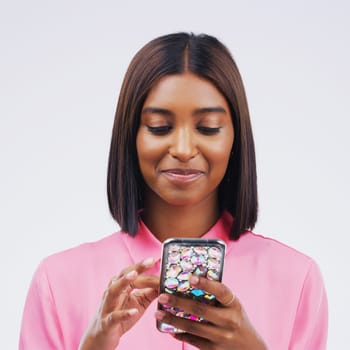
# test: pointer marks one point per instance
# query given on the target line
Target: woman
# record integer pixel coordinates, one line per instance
(182, 164)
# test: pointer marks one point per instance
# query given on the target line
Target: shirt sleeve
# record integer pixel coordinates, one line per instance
(311, 321)
(40, 326)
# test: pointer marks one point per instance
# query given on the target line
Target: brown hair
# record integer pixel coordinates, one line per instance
(208, 58)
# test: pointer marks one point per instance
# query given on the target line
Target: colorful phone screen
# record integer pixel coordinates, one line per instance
(181, 258)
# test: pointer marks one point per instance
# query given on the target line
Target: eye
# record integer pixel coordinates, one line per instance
(159, 130)
(207, 130)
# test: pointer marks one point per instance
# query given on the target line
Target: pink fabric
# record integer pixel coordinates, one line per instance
(281, 289)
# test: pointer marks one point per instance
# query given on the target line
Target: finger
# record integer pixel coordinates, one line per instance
(120, 287)
(198, 329)
(139, 267)
(198, 342)
(129, 275)
(145, 296)
(213, 314)
(146, 292)
(146, 281)
(223, 294)
(118, 291)
(116, 317)
(189, 306)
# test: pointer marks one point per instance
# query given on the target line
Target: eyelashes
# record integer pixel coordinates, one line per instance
(207, 130)
(166, 129)
(159, 130)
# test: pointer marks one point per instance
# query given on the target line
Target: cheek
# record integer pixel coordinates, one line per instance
(219, 154)
(148, 150)
(219, 162)
(141, 151)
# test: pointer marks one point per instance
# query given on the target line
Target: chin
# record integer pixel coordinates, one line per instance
(181, 203)
(184, 201)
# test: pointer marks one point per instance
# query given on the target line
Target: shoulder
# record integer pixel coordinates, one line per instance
(103, 245)
(287, 280)
(271, 248)
(276, 257)
(87, 257)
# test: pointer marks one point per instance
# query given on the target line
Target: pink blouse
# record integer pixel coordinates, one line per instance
(281, 290)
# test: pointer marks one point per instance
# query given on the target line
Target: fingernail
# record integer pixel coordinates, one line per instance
(159, 315)
(148, 262)
(132, 312)
(131, 275)
(194, 279)
(163, 298)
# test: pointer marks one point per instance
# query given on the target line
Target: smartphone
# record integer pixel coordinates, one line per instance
(182, 257)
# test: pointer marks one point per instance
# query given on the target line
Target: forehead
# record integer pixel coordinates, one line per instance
(186, 88)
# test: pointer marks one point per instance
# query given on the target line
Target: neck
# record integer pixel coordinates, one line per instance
(192, 221)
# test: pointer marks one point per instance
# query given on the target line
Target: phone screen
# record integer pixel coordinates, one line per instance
(181, 258)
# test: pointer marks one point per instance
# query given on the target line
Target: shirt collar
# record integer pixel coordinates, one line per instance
(145, 245)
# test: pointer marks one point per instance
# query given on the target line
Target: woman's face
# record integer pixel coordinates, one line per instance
(184, 140)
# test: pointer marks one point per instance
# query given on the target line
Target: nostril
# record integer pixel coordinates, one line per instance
(183, 156)
(183, 145)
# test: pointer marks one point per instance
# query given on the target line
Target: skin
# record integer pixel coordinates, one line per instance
(185, 125)
(184, 143)
(228, 327)
(120, 309)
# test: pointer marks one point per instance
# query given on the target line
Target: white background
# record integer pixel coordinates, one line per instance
(62, 64)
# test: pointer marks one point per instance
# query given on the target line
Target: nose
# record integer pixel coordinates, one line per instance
(183, 145)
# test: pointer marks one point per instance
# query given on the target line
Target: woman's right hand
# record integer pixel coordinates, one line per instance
(123, 303)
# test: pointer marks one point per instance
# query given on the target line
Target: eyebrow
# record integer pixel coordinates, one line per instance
(198, 111)
(156, 110)
(207, 110)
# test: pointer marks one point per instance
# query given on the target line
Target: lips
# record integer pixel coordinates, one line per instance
(183, 171)
(182, 175)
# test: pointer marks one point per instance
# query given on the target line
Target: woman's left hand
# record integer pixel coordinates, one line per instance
(228, 325)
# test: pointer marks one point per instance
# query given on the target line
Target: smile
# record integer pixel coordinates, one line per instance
(182, 175)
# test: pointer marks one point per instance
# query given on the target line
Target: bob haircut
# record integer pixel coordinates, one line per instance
(208, 58)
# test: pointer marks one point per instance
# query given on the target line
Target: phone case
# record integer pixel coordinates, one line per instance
(185, 256)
